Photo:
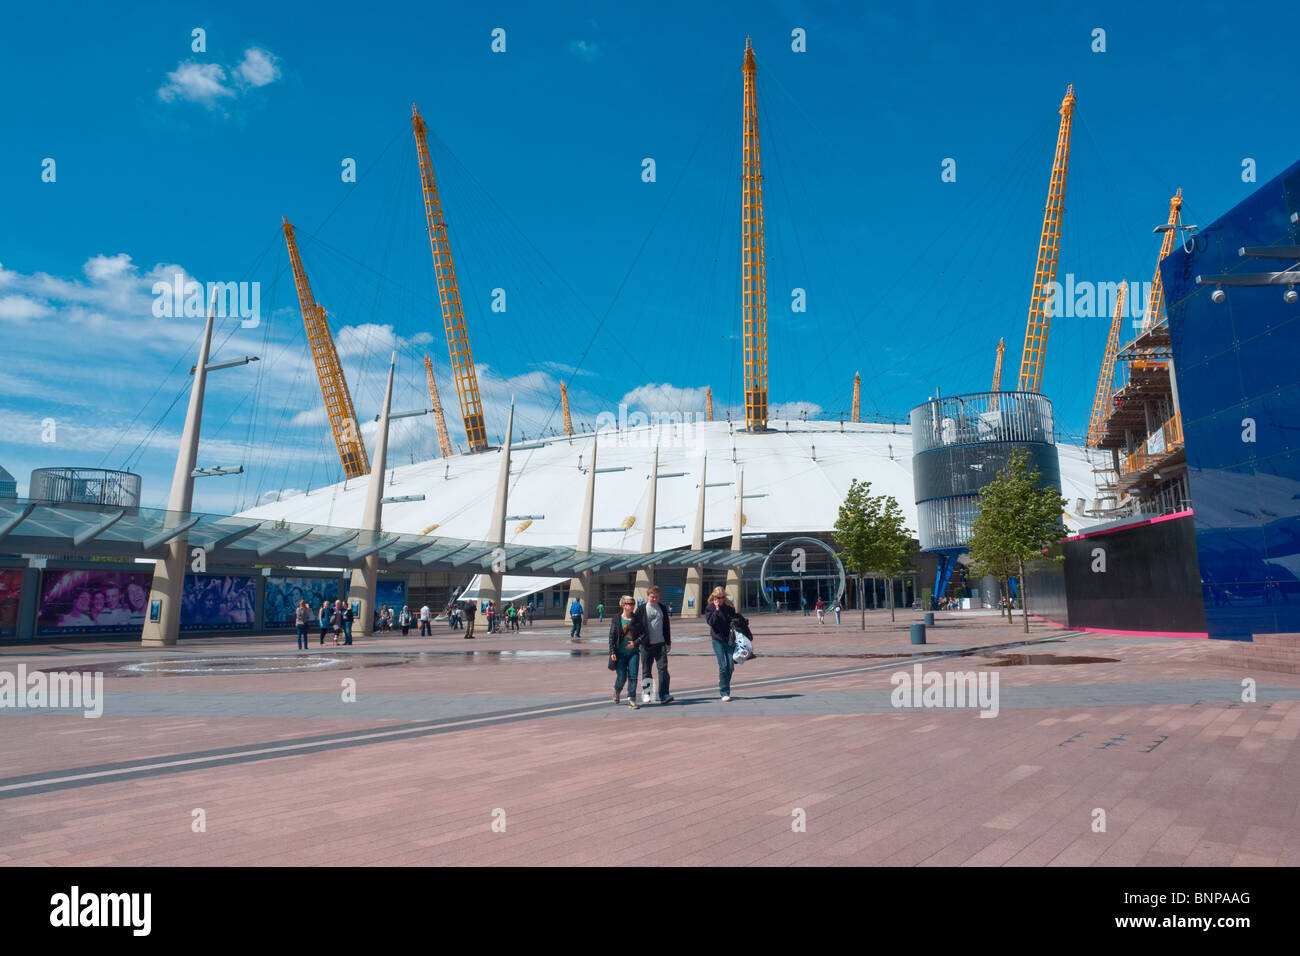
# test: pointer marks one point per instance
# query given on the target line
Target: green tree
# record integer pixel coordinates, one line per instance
(872, 537)
(1017, 520)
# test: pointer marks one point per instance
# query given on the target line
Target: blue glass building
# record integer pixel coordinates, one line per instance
(1235, 331)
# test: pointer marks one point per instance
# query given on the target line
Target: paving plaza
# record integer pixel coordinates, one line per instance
(1068, 749)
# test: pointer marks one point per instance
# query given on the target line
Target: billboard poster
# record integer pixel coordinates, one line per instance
(217, 602)
(283, 595)
(92, 602)
(392, 593)
(11, 587)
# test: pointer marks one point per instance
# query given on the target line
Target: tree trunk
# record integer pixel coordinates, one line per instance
(1024, 597)
(862, 601)
(1010, 603)
(890, 584)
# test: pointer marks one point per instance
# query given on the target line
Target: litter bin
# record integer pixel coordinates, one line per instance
(929, 619)
(918, 633)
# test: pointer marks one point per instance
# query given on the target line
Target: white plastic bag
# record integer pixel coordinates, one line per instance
(744, 649)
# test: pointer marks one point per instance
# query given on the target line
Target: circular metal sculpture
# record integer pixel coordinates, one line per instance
(800, 559)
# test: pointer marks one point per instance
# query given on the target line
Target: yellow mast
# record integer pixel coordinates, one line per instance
(453, 315)
(333, 386)
(1106, 380)
(444, 442)
(564, 404)
(997, 368)
(1156, 300)
(1049, 249)
(754, 270)
(857, 389)
(708, 403)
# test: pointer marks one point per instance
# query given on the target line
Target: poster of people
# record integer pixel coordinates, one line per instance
(92, 602)
(283, 595)
(392, 593)
(11, 586)
(214, 602)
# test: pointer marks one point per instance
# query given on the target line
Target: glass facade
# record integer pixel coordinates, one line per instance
(959, 445)
(1237, 363)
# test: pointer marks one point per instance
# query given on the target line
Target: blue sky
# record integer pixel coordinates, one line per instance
(167, 159)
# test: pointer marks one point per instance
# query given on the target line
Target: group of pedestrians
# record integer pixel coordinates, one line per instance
(640, 638)
(335, 619)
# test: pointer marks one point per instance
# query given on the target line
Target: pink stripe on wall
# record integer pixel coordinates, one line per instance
(1108, 630)
(1136, 524)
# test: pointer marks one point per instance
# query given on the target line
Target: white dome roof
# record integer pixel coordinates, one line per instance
(793, 492)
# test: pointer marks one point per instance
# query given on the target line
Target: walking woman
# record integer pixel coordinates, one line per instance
(302, 619)
(721, 615)
(324, 619)
(625, 649)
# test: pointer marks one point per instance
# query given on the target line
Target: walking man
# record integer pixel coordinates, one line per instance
(575, 614)
(426, 622)
(656, 642)
(469, 620)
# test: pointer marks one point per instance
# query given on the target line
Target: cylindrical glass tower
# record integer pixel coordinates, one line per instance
(960, 443)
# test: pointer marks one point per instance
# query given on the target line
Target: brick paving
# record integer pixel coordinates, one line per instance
(506, 750)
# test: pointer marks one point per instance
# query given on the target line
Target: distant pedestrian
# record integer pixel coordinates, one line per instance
(837, 607)
(336, 622)
(323, 618)
(529, 611)
(624, 649)
(469, 620)
(821, 610)
(575, 615)
(426, 622)
(302, 618)
(600, 610)
(512, 617)
(348, 616)
(803, 603)
(404, 620)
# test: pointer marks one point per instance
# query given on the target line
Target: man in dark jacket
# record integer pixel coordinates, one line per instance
(470, 611)
(656, 641)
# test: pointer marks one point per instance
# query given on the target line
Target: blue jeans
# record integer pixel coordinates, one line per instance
(627, 668)
(347, 632)
(302, 637)
(723, 651)
(837, 615)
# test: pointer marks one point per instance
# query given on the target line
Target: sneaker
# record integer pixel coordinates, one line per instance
(631, 702)
(667, 700)
(726, 697)
(616, 697)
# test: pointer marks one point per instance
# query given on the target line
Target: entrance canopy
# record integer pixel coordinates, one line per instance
(85, 531)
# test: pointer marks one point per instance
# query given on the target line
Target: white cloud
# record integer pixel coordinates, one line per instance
(788, 410)
(585, 49)
(196, 83)
(212, 85)
(665, 398)
(18, 308)
(258, 67)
